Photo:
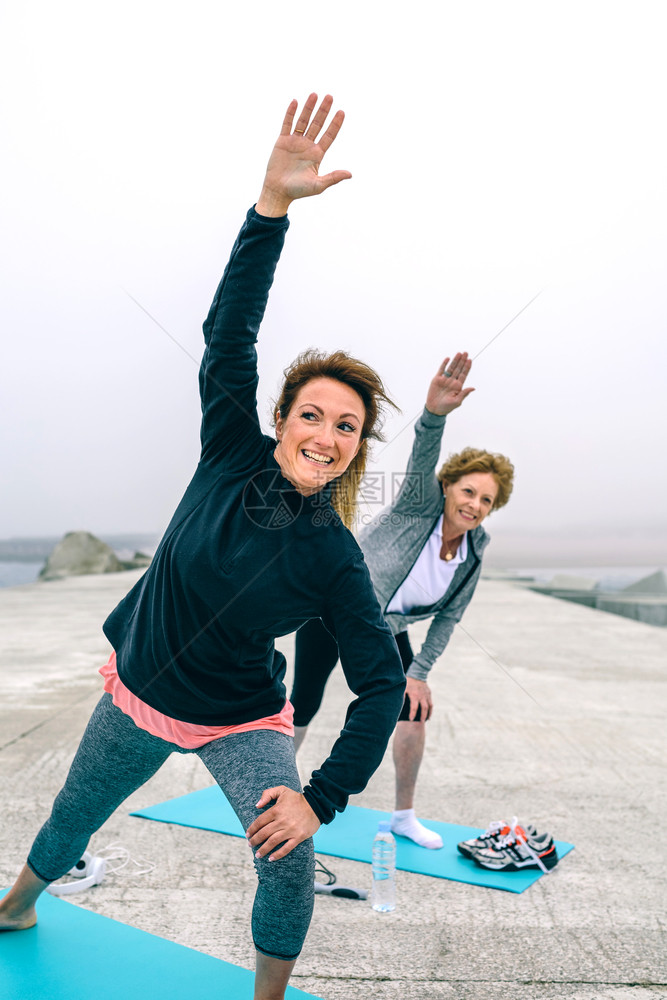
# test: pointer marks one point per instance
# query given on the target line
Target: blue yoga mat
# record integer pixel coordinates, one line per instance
(350, 835)
(73, 954)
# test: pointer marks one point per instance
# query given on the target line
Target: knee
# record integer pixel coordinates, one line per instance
(414, 729)
(286, 886)
(294, 873)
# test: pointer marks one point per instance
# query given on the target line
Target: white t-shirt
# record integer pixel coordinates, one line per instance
(430, 576)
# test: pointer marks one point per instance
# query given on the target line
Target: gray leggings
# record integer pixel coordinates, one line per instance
(115, 758)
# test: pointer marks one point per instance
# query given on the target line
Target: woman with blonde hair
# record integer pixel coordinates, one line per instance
(424, 553)
(255, 549)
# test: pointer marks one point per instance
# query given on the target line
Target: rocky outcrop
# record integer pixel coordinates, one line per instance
(78, 554)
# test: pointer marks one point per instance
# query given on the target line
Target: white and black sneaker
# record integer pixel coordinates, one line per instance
(513, 854)
(496, 831)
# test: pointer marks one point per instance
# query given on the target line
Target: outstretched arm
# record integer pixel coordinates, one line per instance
(228, 374)
(293, 168)
(446, 392)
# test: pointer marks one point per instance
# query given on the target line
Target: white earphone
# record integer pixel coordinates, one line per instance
(87, 872)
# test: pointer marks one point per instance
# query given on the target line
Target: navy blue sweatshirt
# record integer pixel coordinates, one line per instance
(247, 558)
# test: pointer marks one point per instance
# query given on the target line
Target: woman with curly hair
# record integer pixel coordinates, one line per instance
(424, 553)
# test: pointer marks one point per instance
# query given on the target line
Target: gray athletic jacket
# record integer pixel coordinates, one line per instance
(391, 544)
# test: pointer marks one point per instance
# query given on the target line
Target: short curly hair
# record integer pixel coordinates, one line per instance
(476, 460)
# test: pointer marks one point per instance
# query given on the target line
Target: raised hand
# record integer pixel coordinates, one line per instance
(446, 392)
(293, 168)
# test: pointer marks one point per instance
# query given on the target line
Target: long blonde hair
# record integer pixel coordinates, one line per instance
(367, 383)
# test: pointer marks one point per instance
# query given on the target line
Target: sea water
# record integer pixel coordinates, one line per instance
(21, 559)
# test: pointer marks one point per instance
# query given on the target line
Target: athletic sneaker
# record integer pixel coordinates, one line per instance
(495, 832)
(513, 854)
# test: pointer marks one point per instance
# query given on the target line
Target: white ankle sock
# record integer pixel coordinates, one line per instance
(405, 823)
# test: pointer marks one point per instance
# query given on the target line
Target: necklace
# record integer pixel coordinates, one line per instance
(449, 549)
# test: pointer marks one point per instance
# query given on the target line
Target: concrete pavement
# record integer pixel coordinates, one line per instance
(544, 709)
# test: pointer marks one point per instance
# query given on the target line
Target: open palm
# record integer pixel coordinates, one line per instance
(293, 168)
(446, 391)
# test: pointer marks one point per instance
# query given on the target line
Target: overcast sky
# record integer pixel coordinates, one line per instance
(498, 151)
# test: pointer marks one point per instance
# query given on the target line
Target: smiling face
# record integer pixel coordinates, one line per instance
(320, 435)
(468, 501)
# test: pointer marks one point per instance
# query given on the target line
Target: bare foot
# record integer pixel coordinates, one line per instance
(17, 908)
(20, 922)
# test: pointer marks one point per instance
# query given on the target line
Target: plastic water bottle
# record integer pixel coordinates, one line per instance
(383, 893)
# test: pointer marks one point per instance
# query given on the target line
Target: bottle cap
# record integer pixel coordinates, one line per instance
(384, 825)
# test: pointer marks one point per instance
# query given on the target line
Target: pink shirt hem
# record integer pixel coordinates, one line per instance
(183, 734)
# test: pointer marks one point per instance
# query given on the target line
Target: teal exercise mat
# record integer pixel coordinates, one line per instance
(73, 954)
(350, 835)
